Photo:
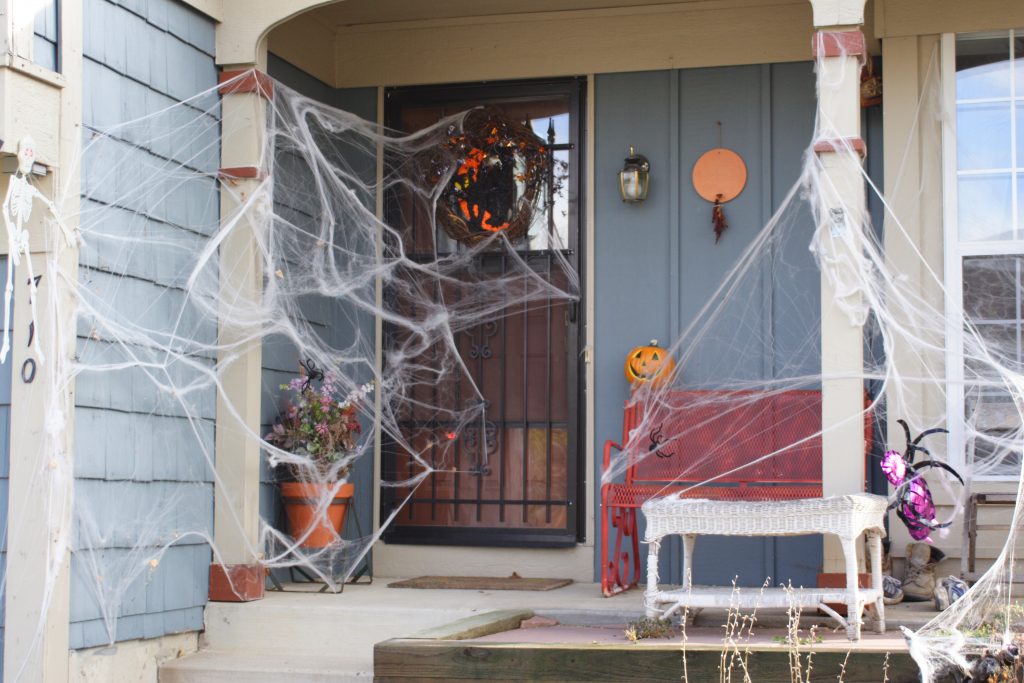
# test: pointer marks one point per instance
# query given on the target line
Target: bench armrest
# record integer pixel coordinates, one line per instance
(608, 446)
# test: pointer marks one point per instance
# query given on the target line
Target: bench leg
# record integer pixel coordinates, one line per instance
(853, 602)
(620, 570)
(689, 540)
(651, 592)
(875, 550)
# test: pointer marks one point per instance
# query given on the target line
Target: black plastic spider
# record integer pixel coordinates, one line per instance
(313, 373)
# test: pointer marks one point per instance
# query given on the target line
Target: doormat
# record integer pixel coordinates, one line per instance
(482, 583)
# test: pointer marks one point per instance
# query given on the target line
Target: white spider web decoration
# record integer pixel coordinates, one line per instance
(322, 247)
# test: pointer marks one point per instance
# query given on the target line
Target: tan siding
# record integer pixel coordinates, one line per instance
(922, 17)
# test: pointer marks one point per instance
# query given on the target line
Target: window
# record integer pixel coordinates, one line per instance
(984, 153)
(45, 36)
(552, 111)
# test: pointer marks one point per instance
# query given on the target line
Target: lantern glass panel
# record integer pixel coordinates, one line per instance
(633, 184)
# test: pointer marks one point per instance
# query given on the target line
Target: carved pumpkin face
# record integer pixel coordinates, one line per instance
(649, 363)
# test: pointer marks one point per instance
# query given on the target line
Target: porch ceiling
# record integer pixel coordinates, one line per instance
(360, 43)
(360, 12)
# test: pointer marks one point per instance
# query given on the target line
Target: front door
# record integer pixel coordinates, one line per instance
(510, 476)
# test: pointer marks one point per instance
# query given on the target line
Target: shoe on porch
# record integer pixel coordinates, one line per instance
(948, 591)
(892, 590)
(919, 582)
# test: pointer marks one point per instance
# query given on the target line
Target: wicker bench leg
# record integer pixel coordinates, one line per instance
(689, 540)
(651, 593)
(853, 601)
(875, 551)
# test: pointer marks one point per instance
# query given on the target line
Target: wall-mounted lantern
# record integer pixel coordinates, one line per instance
(635, 178)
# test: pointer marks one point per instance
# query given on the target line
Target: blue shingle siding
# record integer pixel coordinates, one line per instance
(142, 455)
(5, 468)
(44, 35)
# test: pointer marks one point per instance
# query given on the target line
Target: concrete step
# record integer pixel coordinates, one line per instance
(323, 638)
(317, 628)
(211, 666)
(315, 623)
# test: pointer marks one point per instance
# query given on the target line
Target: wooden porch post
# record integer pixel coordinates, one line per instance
(36, 598)
(239, 575)
(839, 47)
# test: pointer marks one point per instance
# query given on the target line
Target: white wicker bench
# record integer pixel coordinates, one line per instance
(844, 516)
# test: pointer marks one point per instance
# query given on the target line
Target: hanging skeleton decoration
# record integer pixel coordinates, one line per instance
(17, 209)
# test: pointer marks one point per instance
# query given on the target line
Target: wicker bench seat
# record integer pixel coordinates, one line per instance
(846, 517)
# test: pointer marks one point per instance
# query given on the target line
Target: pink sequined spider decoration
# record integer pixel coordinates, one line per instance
(913, 500)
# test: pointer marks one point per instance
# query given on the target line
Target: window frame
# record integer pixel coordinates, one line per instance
(956, 250)
(55, 41)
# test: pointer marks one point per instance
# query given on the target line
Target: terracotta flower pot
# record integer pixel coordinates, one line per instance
(301, 502)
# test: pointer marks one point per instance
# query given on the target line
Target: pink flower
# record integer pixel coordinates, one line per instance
(321, 429)
(292, 411)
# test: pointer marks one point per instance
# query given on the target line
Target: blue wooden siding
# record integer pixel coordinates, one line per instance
(662, 252)
(5, 468)
(44, 35)
(339, 324)
(142, 479)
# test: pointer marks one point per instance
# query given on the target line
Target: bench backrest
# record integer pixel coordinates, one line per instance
(693, 436)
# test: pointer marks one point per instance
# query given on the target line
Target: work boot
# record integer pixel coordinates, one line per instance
(919, 583)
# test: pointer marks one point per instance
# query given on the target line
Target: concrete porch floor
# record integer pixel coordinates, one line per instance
(301, 635)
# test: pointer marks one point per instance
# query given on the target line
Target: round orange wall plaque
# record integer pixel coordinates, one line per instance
(719, 174)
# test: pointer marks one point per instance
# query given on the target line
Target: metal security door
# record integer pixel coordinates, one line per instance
(511, 477)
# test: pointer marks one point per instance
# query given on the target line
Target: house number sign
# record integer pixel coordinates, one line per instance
(28, 368)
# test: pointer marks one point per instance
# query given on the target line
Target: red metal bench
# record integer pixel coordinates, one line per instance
(705, 441)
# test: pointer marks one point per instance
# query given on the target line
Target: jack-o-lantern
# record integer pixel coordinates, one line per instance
(649, 363)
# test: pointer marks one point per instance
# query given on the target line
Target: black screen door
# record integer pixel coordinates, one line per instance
(511, 477)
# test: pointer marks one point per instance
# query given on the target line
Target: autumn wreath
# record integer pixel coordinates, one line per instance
(496, 167)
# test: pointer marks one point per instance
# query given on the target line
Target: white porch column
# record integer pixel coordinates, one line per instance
(245, 92)
(839, 47)
(47, 106)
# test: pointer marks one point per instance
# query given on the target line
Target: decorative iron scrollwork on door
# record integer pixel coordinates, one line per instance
(480, 338)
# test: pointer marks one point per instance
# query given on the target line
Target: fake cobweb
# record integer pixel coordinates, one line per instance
(165, 325)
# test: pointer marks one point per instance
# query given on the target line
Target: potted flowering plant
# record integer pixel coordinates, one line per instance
(319, 427)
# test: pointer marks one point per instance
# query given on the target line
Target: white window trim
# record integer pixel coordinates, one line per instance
(954, 252)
